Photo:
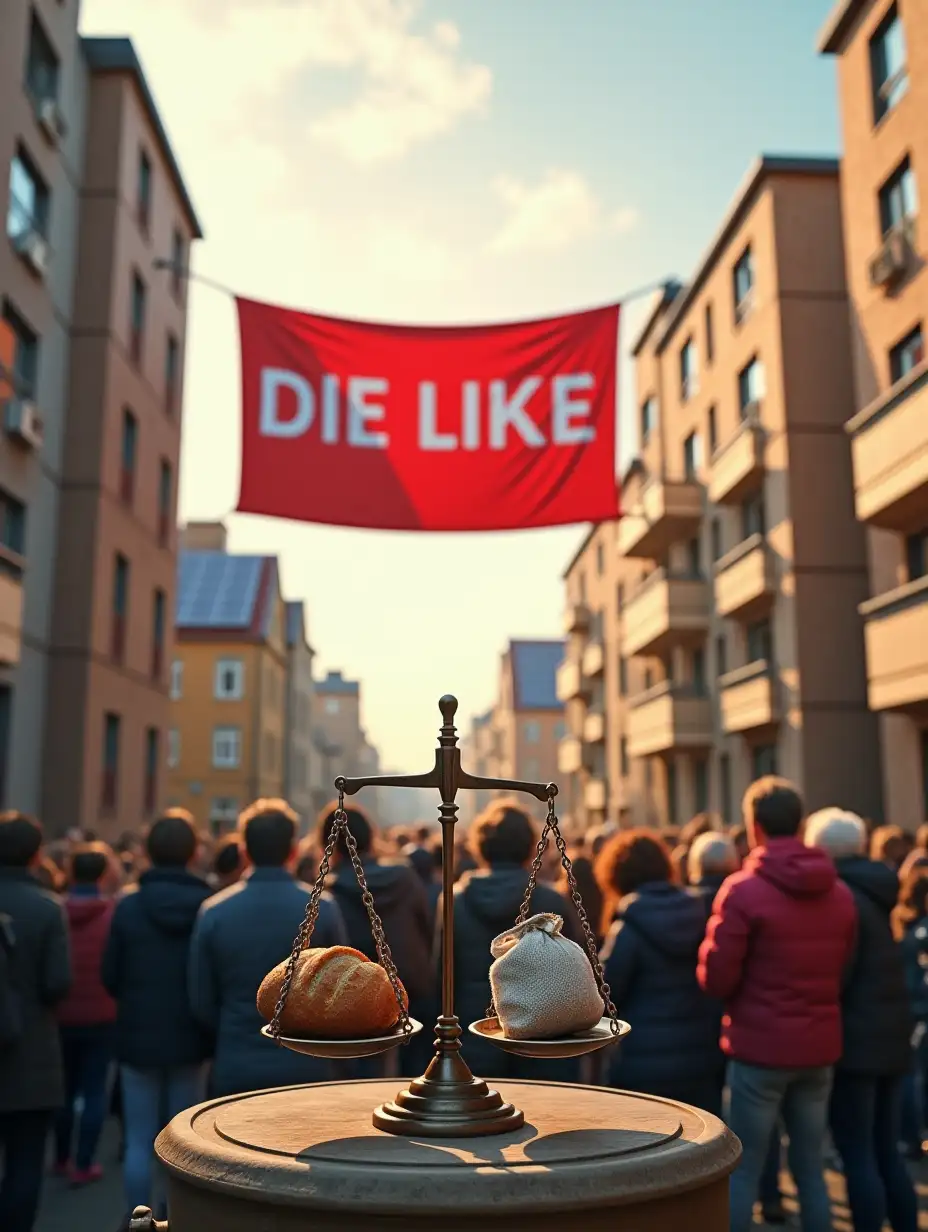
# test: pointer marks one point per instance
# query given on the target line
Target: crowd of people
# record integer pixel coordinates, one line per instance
(775, 975)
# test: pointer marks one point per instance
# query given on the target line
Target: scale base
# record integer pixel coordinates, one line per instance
(448, 1102)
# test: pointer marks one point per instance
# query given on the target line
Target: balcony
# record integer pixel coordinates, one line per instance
(594, 660)
(889, 445)
(668, 512)
(896, 634)
(594, 728)
(745, 580)
(737, 466)
(11, 611)
(666, 718)
(666, 610)
(749, 698)
(570, 682)
(594, 795)
(576, 618)
(570, 755)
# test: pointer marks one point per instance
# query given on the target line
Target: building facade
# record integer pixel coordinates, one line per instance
(89, 452)
(229, 693)
(741, 564)
(298, 746)
(882, 57)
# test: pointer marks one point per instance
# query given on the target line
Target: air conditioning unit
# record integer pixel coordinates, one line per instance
(23, 423)
(33, 249)
(892, 261)
(51, 120)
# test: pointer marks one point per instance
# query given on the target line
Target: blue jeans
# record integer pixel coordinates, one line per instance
(759, 1097)
(866, 1118)
(87, 1053)
(150, 1099)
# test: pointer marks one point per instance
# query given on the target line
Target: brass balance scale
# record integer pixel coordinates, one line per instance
(447, 1101)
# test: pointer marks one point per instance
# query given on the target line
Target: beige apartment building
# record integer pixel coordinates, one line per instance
(882, 54)
(730, 638)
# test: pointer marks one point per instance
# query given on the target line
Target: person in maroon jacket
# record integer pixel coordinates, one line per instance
(781, 933)
(86, 1016)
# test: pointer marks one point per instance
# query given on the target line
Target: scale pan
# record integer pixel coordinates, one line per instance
(600, 1036)
(346, 1049)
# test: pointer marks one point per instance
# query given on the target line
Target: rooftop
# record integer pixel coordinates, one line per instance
(118, 55)
(534, 668)
(335, 682)
(220, 592)
(295, 613)
(839, 24)
(662, 300)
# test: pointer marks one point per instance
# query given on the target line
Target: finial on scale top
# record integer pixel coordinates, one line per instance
(448, 705)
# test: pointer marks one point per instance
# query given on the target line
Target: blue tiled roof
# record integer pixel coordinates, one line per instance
(217, 591)
(335, 682)
(534, 667)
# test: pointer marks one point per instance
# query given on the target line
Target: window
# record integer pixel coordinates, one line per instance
(623, 757)
(692, 456)
(916, 555)
(532, 732)
(725, 787)
(710, 335)
(648, 773)
(560, 729)
(620, 596)
(152, 744)
(763, 760)
(898, 198)
(120, 608)
(165, 502)
(173, 748)
(689, 375)
(12, 524)
(29, 204)
(25, 353)
(110, 787)
(672, 791)
(701, 784)
(177, 680)
(694, 558)
(42, 65)
(223, 813)
(753, 517)
(721, 655)
(331, 705)
(888, 64)
(178, 265)
(698, 671)
(715, 533)
(229, 683)
(648, 419)
(712, 432)
(600, 559)
(227, 747)
(623, 676)
(143, 202)
(751, 387)
(158, 610)
(906, 355)
(171, 355)
(760, 643)
(130, 438)
(137, 319)
(743, 284)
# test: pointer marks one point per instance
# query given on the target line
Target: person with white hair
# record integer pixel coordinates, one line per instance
(710, 859)
(866, 1098)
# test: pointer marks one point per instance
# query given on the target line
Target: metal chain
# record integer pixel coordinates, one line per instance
(303, 937)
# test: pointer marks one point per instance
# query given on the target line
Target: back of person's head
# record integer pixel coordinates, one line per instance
(423, 835)
(772, 808)
(90, 863)
(228, 858)
(836, 831)
(912, 905)
(921, 839)
(888, 845)
(587, 886)
(421, 860)
(702, 823)
(20, 839)
(171, 841)
(633, 859)
(268, 829)
(598, 837)
(359, 825)
(503, 834)
(711, 854)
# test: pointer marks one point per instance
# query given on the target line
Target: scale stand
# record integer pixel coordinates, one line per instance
(447, 1101)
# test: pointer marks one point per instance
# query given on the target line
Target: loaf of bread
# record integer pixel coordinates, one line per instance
(336, 993)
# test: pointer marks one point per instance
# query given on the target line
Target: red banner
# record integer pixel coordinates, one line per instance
(493, 427)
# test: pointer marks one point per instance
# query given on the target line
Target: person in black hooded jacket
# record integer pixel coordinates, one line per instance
(649, 959)
(486, 903)
(866, 1098)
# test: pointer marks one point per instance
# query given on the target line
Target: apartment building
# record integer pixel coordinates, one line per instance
(229, 690)
(881, 50)
(479, 756)
(298, 745)
(91, 425)
(737, 630)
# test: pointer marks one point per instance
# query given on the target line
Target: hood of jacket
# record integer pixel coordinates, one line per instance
(671, 920)
(171, 898)
(86, 909)
(386, 879)
(495, 895)
(794, 868)
(876, 880)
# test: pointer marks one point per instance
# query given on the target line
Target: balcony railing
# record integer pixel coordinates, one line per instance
(594, 795)
(570, 755)
(737, 466)
(896, 636)
(576, 618)
(594, 660)
(594, 727)
(745, 580)
(570, 681)
(749, 698)
(668, 717)
(668, 512)
(667, 609)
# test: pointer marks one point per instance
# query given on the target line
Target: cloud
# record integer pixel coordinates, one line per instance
(557, 211)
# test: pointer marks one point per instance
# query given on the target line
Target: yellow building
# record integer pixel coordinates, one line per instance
(226, 743)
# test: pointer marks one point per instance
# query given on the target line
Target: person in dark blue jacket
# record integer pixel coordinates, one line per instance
(910, 928)
(160, 1046)
(243, 933)
(649, 959)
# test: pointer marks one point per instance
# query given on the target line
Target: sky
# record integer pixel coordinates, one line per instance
(424, 161)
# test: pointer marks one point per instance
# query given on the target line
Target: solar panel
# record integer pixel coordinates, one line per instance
(534, 666)
(217, 591)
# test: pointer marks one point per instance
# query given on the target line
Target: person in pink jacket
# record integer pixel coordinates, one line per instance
(781, 933)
